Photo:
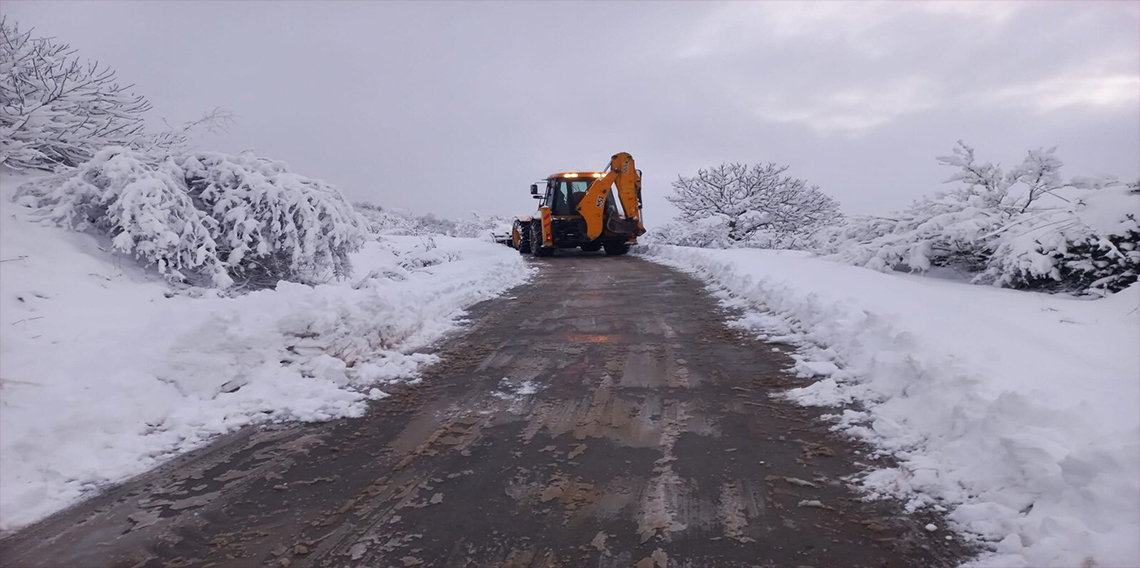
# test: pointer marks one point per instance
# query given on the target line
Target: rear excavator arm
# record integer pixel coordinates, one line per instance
(592, 207)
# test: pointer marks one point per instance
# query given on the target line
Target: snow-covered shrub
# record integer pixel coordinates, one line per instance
(1092, 244)
(739, 205)
(848, 229)
(142, 205)
(943, 230)
(478, 226)
(384, 221)
(206, 219)
(273, 224)
(710, 232)
(1026, 228)
(431, 225)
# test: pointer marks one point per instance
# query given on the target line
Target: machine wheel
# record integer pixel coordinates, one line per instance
(594, 246)
(616, 249)
(520, 237)
(536, 247)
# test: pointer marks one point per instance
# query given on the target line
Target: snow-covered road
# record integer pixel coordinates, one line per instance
(605, 416)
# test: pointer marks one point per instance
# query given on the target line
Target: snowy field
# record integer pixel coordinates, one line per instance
(107, 372)
(1019, 412)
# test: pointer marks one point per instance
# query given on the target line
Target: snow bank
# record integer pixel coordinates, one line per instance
(106, 373)
(1018, 411)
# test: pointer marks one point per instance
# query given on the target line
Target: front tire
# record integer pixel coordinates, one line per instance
(616, 249)
(592, 247)
(520, 235)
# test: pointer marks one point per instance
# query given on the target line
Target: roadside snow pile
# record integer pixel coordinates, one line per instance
(107, 373)
(1019, 411)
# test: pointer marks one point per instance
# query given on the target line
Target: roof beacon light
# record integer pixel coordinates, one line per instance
(571, 175)
(597, 175)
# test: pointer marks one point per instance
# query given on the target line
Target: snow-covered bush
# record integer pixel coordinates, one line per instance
(206, 219)
(383, 221)
(739, 205)
(710, 232)
(478, 226)
(848, 229)
(142, 205)
(942, 230)
(1092, 244)
(271, 223)
(1026, 228)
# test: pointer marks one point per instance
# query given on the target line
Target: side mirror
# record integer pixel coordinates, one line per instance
(534, 189)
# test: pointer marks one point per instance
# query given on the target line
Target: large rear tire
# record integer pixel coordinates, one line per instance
(616, 249)
(536, 247)
(521, 237)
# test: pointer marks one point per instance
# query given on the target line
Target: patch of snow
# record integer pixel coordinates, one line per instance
(107, 372)
(815, 368)
(1018, 411)
(514, 390)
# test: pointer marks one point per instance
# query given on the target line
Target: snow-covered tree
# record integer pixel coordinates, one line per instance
(741, 205)
(1025, 228)
(56, 110)
(206, 219)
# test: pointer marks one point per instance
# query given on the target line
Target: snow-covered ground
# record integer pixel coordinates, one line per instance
(1019, 412)
(106, 372)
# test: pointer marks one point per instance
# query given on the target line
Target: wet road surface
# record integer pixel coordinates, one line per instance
(602, 415)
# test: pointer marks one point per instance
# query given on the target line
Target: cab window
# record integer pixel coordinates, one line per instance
(567, 194)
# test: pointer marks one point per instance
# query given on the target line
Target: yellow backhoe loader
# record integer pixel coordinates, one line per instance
(579, 210)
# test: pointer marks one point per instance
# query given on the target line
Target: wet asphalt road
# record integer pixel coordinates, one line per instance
(602, 415)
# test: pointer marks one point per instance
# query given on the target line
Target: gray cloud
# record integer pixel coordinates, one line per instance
(453, 107)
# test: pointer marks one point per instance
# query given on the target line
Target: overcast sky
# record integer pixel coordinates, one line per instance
(453, 107)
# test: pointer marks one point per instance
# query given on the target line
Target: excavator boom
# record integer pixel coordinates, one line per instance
(622, 173)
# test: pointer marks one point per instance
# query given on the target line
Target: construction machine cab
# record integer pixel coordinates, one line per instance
(565, 191)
